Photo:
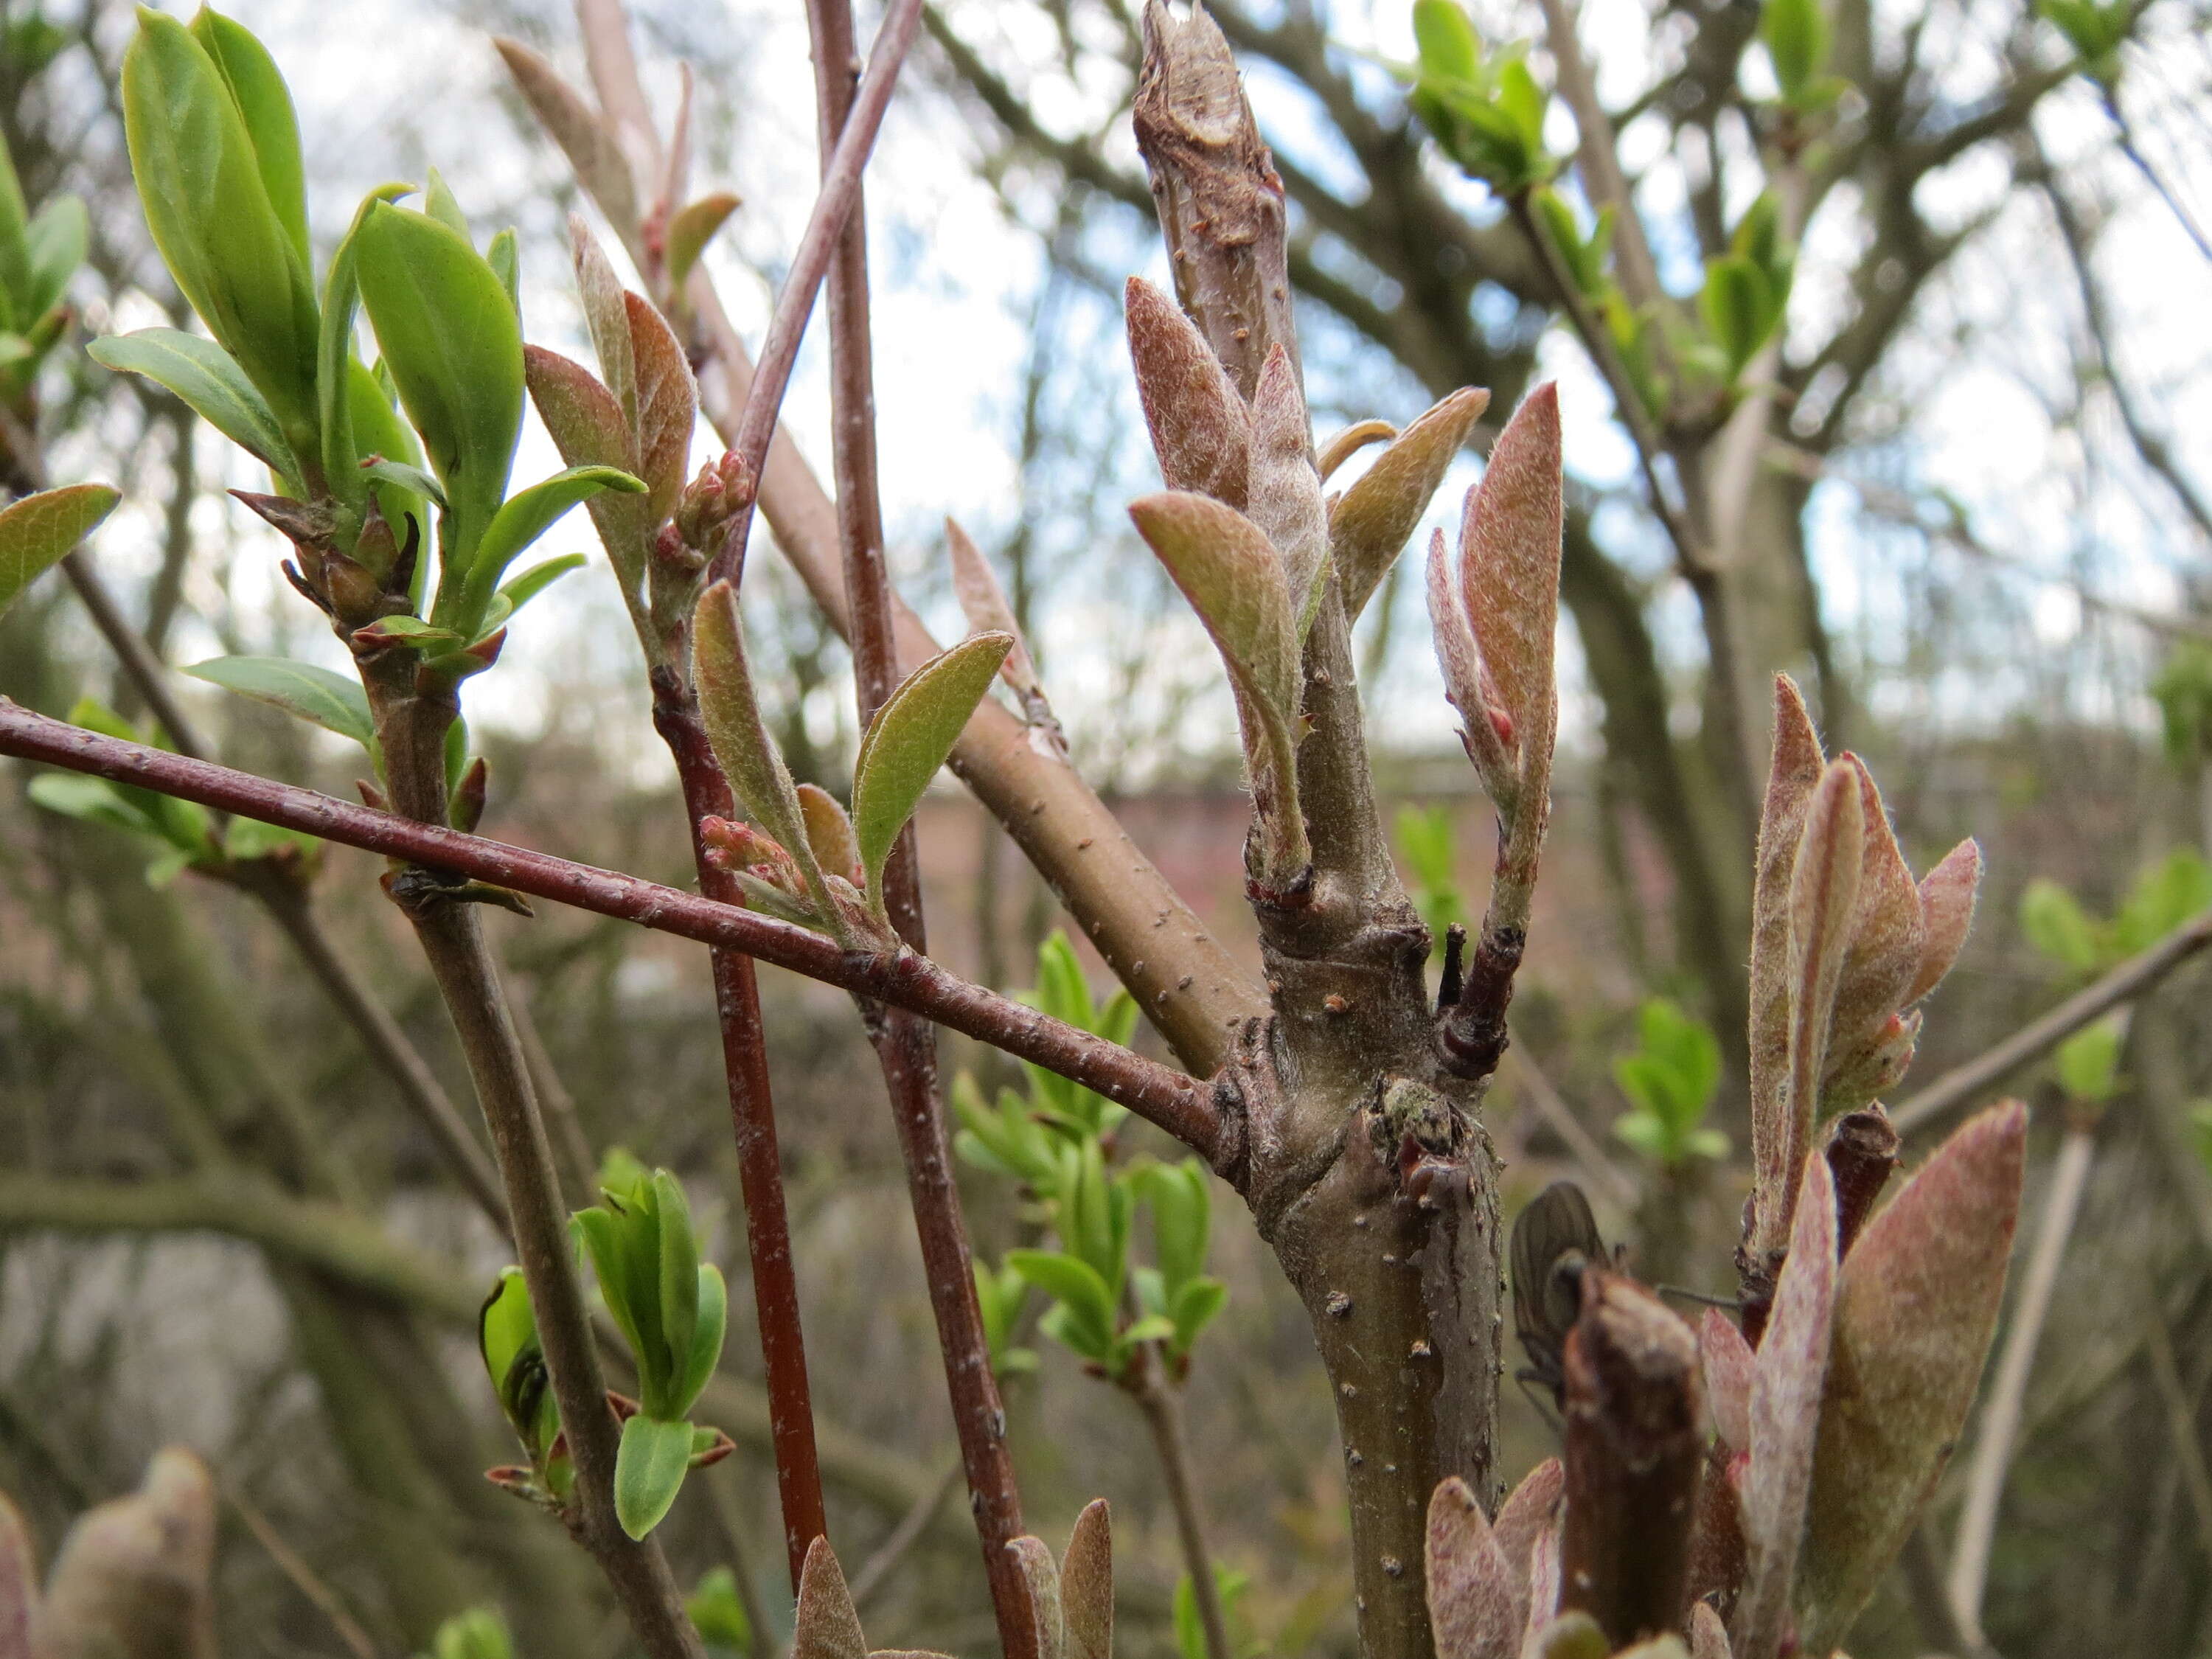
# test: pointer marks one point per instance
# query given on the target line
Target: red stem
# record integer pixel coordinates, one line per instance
(1182, 1106)
(752, 1121)
(841, 191)
(905, 1044)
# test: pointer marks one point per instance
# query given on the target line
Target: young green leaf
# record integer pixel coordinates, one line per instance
(2055, 924)
(14, 247)
(1076, 1285)
(200, 182)
(1371, 523)
(649, 1469)
(524, 518)
(1796, 35)
(910, 738)
(689, 231)
(335, 395)
(454, 349)
(2089, 1062)
(265, 105)
(333, 701)
(36, 531)
(211, 383)
(1740, 309)
(57, 240)
(748, 755)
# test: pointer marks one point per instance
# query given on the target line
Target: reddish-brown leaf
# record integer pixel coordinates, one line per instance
(1473, 1607)
(1947, 907)
(1200, 429)
(1728, 1362)
(668, 405)
(1510, 565)
(1795, 771)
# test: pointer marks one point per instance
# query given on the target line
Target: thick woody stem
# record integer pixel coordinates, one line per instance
(752, 1121)
(1635, 1446)
(905, 1044)
(1185, 1108)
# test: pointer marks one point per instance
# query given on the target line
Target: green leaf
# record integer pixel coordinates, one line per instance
(441, 205)
(678, 1272)
(265, 105)
(1194, 1310)
(478, 1633)
(710, 1327)
(649, 1471)
(910, 738)
(1738, 305)
(513, 595)
(57, 236)
(1076, 1285)
(338, 399)
(504, 257)
(454, 349)
(2089, 1062)
(316, 695)
(91, 801)
(2170, 893)
(1795, 34)
(36, 531)
(717, 1614)
(529, 514)
(199, 180)
(2055, 924)
(211, 382)
(411, 479)
(691, 229)
(1446, 42)
(15, 246)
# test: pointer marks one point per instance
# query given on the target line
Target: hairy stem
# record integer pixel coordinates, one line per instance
(905, 1044)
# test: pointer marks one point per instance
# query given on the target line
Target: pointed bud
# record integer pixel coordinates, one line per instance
(1947, 906)
(467, 809)
(1795, 771)
(1201, 430)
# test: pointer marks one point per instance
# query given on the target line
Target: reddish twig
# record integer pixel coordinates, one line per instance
(1182, 1106)
(905, 1044)
(840, 191)
(752, 1121)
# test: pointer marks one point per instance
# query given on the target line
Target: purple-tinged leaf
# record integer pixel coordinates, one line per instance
(983, 602)
(1521, 1518)
(1086, 1584)
(1915, 1310)
(1370, 523)
(1795, 771)
(1543, 1587)
(1509, 552)
(1461, 659)
(1283, 491)
(1474, 1604)
(731, 708)
(1947, 907)
(826, 1625)
(668, 405)
(1791, 1366)
(1823, 888)
(1708, 1636)
(1041, 1573)
(1200, 429)
(1888, 934)
(1728, 1362)
(606, 316)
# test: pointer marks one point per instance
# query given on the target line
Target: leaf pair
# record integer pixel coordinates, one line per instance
(1746, 289)
(912, 735)
(673, 1311)
(1843, 944)
(1494, 614)
(1493, 1585)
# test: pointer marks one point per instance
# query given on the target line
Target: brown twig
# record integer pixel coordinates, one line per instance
(752, 1121)
(1156, 1399)
(304, 1578)
(1182, 1106)
(2122, 983)
(817, 247)
(904, 1536)
(905, 1044)
(1635, 1449)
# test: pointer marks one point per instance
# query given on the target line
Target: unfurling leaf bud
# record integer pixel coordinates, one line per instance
(721, 490)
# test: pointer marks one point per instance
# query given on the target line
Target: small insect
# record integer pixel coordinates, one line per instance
(1555, 1239)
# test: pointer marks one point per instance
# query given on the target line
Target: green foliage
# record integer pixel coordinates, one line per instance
(719, 1615)
(36, 531)
(2164, 895)
(910, 738)
(2183, 690)
(2095, 32)
(1483, 107)
(1797, 36)
(479, 1633)
(1230, 1586)
(506, 1338)
(1747, 290)
(40, 252)
(1058, 1140)
(1584, 258)
(673, 1311)
(2089, 1062)
(212, 384)
(1424, 842)
(1671, 1080)
(2200, 1130)
(301, 689)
